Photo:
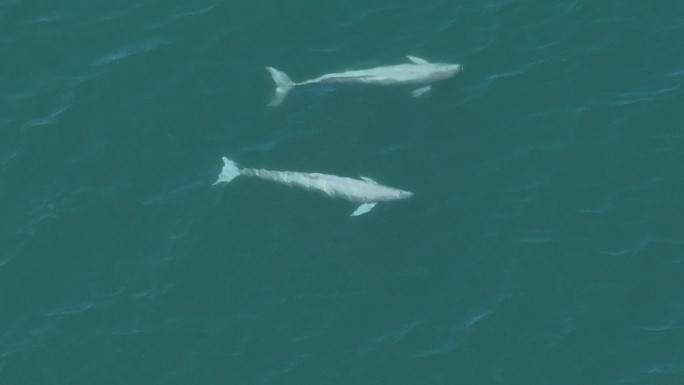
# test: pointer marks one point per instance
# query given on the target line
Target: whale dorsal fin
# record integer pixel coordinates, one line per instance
(417, 60)
(369, 180)
(364, 208)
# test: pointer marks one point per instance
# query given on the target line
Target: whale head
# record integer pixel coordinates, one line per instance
(449, 70)
(404, 194)
(442, 71)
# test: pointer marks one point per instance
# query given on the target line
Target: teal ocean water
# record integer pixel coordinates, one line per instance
(544, 243)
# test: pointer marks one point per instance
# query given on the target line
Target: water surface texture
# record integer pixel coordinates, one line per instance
(544, 243)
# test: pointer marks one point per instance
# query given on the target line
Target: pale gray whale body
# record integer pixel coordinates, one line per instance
(364, 190)
(418, 72)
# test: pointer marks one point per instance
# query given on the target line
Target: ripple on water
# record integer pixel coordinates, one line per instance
(670, 325)
(50, 118)
(130, 50)
(178, 15)
(68, 309)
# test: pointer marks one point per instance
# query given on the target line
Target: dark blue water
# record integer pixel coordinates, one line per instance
(544, 243)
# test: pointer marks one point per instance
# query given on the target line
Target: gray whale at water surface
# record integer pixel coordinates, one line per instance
(419, 72)
(364, 190)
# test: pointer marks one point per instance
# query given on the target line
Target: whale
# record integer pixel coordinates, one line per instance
(418, 72)
(365, 191)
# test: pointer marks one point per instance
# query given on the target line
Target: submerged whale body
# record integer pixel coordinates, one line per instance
(418, 72)
(364, 190)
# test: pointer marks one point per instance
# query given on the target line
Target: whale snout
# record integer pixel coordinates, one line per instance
(405, 194)
(449, 70)
(455, 68)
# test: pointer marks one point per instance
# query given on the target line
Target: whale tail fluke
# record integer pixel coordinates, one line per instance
(229, 172)
(283, 85)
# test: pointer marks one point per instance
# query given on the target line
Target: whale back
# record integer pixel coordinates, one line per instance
(350, 189)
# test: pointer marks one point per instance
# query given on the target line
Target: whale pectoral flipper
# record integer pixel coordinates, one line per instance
(420, 91)
(417, 60)
(364, 208)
